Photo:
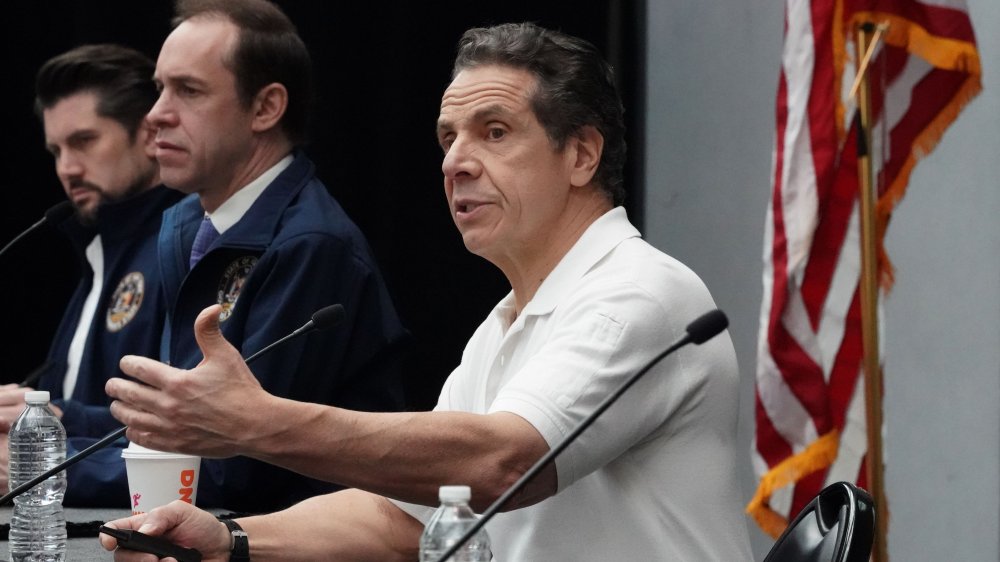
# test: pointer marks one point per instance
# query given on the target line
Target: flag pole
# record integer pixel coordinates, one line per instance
(869, 291)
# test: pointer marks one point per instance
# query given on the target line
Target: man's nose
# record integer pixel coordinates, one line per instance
(162, 114)
(68, 165)
(461, 159)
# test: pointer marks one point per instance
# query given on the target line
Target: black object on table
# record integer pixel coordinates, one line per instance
(162, 548)
(82, 527)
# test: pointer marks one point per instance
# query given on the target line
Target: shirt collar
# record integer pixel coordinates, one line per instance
(602, 236)
(232, 210)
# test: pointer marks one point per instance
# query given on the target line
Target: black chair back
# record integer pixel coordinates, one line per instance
(838, 525)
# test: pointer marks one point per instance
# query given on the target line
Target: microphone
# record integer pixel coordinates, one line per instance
(35, 375)
(702, 329)
(56, 213)
(322, 319)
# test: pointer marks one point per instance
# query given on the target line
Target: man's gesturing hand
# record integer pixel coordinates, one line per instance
(206, 411)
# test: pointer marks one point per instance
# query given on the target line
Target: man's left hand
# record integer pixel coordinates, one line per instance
(4, 454)
(178, 522)
(208, 411)
(11, 404)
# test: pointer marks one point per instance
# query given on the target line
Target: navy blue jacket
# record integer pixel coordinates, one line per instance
(128, 320)
(293, 252)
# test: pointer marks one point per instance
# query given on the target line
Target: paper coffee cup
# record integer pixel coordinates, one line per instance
(156, 478)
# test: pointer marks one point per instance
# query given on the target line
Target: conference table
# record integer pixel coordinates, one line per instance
(81, 526)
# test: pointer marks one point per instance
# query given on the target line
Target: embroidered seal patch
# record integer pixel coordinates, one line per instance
(231, 284)
(125, 301)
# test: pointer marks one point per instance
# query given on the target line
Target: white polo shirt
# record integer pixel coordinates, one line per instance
(655, 477)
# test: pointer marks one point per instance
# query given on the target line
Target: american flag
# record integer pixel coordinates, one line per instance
(810, 409)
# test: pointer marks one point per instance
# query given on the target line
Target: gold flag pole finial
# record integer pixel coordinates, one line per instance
(866, 60)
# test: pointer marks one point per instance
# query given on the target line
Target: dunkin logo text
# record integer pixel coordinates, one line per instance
(187, 485)
(185, 492)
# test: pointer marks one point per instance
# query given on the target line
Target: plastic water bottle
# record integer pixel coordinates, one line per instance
(37, 443)
(447, 526)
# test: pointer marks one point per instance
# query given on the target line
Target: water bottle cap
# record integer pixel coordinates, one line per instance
(454, 493)
(37, 397)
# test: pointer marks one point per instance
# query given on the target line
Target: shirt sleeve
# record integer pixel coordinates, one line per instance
(599, 338)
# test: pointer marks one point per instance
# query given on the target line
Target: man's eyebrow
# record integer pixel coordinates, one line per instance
(443, 126)
(483, 114)
(74, 136)
(179, 78)
(81, 133)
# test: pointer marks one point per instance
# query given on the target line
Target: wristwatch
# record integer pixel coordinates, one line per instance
(239, 546)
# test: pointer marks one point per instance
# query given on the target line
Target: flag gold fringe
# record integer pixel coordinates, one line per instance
(924, 143)
(838, 39)
(943, 53)
(818, 455)
(940, 52)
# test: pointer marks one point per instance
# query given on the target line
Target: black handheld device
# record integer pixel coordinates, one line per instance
(159, 546)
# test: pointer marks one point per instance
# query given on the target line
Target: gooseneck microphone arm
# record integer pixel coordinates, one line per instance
(702, 329)
(55, 214)
(34, 376)
(321, 319)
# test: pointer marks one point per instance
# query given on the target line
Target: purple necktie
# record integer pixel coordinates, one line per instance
(206, 235)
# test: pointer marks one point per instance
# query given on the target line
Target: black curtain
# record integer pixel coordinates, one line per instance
(380, 69)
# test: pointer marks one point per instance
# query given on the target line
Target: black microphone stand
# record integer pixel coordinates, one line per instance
(699, 331)
(54, 214)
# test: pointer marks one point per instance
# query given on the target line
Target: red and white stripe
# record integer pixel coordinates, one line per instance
(809, 346)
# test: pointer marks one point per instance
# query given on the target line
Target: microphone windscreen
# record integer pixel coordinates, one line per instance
(707, 326)
(59, 212)
(327, 316)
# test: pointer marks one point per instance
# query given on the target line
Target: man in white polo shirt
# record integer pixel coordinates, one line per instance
(532, 133)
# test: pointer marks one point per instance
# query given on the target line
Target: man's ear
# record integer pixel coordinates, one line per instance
(146, 135)
(589, 144)
(268, 107)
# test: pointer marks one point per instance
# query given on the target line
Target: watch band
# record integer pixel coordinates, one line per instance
(240, 546)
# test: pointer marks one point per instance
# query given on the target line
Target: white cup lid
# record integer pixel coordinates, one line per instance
(136, 451)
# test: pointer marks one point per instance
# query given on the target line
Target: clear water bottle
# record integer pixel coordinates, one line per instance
(37, 443)
(448, 524)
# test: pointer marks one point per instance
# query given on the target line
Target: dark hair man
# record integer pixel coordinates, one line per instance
(92, 102)
(524, 125)
(259, 234)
